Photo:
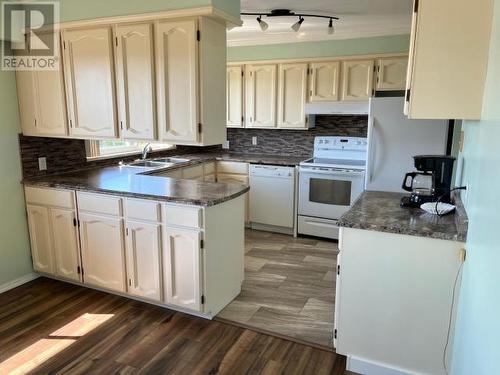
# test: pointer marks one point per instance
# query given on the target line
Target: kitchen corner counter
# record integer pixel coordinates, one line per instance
(132, 182)
(380, 211)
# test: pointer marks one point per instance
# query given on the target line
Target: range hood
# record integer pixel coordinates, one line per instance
(338, 108)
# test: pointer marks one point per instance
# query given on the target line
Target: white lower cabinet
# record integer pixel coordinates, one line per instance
(65, 242)
(182, 267)
(103, 251)
(41, 244)
(143, 259)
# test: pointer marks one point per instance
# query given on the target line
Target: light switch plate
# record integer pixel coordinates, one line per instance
(42, 164)
(254, 141)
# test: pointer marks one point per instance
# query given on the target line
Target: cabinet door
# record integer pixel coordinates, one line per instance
(177, 80)
(261, 96)
(26, 100)
(41, 242)
(66, 250)
(103, 253)
(182, 270)
(324, 83)
(90, 82)
(136, 81)
(357, 79)
(292, 95)
(391, 73)
(234, 81)
(143, 259)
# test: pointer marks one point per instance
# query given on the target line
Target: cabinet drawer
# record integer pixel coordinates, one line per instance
(192, 172)
(100, 203)
(183, 216)
(209, 168)
(142, 210)
(232, 167)
(232, 178)
(50, 197)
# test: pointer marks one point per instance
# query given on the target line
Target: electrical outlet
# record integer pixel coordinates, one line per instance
(42, 163)
(225, 145)
(254, 141)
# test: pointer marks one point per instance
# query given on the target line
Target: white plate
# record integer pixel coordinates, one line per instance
(442, 208)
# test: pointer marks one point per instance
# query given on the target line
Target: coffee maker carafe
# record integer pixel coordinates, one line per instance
(431, 183)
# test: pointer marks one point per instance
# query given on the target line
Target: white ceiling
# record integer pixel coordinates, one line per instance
(358, 18)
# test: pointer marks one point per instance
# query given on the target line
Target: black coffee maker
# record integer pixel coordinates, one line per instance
(431, 183)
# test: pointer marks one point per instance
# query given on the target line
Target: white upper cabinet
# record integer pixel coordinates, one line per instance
(90, 85)
(103, 251)
(292, 95)
(324, 81)
(41, 242)
(357, 79)
(143, 259)
(261, 87)
(449, 49)
(234, 82)
(391, 73)
(135, 79)
(66, 246)
(42, 100)
(182, 267)
(177, 80)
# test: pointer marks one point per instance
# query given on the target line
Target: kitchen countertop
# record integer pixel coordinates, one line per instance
(138, 182)
(380, 211)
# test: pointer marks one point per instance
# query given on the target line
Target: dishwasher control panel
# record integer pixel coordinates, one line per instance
(271, 171)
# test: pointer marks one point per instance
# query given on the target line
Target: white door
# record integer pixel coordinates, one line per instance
(90, 82)
(292, 95)
(182, 271)
(357, 79)
(41, 243)
(143, 259)
(135, 76)
(391, 73)
(66, 248)
(261, 83)
(177, 80)
(234, 81)
(324, 82)
(103, 253)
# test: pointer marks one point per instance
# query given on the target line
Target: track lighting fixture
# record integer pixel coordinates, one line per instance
(296, 25)
(263, 24)
(288, 13)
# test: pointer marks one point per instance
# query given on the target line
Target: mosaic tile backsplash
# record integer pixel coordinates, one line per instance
(296, 142)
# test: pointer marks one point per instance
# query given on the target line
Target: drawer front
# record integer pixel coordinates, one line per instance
(142, 210)
(50, 197)
(209, 168)
(183, 216)
(232, 167)
(232, 178)
(192, 172)
(100, 203)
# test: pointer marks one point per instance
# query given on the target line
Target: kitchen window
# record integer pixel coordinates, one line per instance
(115, 148)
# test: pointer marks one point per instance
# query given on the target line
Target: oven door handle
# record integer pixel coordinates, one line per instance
(309, 172)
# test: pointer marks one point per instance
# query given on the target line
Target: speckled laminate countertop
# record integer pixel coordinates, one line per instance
(138, 182)
(380, 211)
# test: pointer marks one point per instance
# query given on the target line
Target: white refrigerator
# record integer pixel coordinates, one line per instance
(393, 140)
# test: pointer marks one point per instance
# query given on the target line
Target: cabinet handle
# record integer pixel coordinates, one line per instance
(35, 122)
(129, 282)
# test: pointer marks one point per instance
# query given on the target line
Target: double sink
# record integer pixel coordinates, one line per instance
(157, 163)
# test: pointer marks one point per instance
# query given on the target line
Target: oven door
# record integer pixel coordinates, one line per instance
(328, 193)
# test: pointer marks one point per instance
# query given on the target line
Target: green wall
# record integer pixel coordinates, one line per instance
(72, 10)
(15, 260)
(477, 338)
(345, 47)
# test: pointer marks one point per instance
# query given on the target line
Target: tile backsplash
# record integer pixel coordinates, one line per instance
(296, 142)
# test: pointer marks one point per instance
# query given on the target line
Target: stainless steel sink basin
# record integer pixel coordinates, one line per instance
(149, 164)
(171, 160)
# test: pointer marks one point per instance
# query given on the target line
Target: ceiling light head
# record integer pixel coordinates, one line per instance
(263, 25)
(296, 25)
(331, 29)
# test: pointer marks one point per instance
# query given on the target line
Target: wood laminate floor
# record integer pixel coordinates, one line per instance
(289, 288)
(47, 326)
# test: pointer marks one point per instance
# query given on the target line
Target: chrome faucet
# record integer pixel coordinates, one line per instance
(145, 151)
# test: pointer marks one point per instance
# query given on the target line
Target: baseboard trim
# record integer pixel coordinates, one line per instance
(18, 282)
(365, 367)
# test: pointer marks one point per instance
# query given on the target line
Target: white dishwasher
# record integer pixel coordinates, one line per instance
(272, 195)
